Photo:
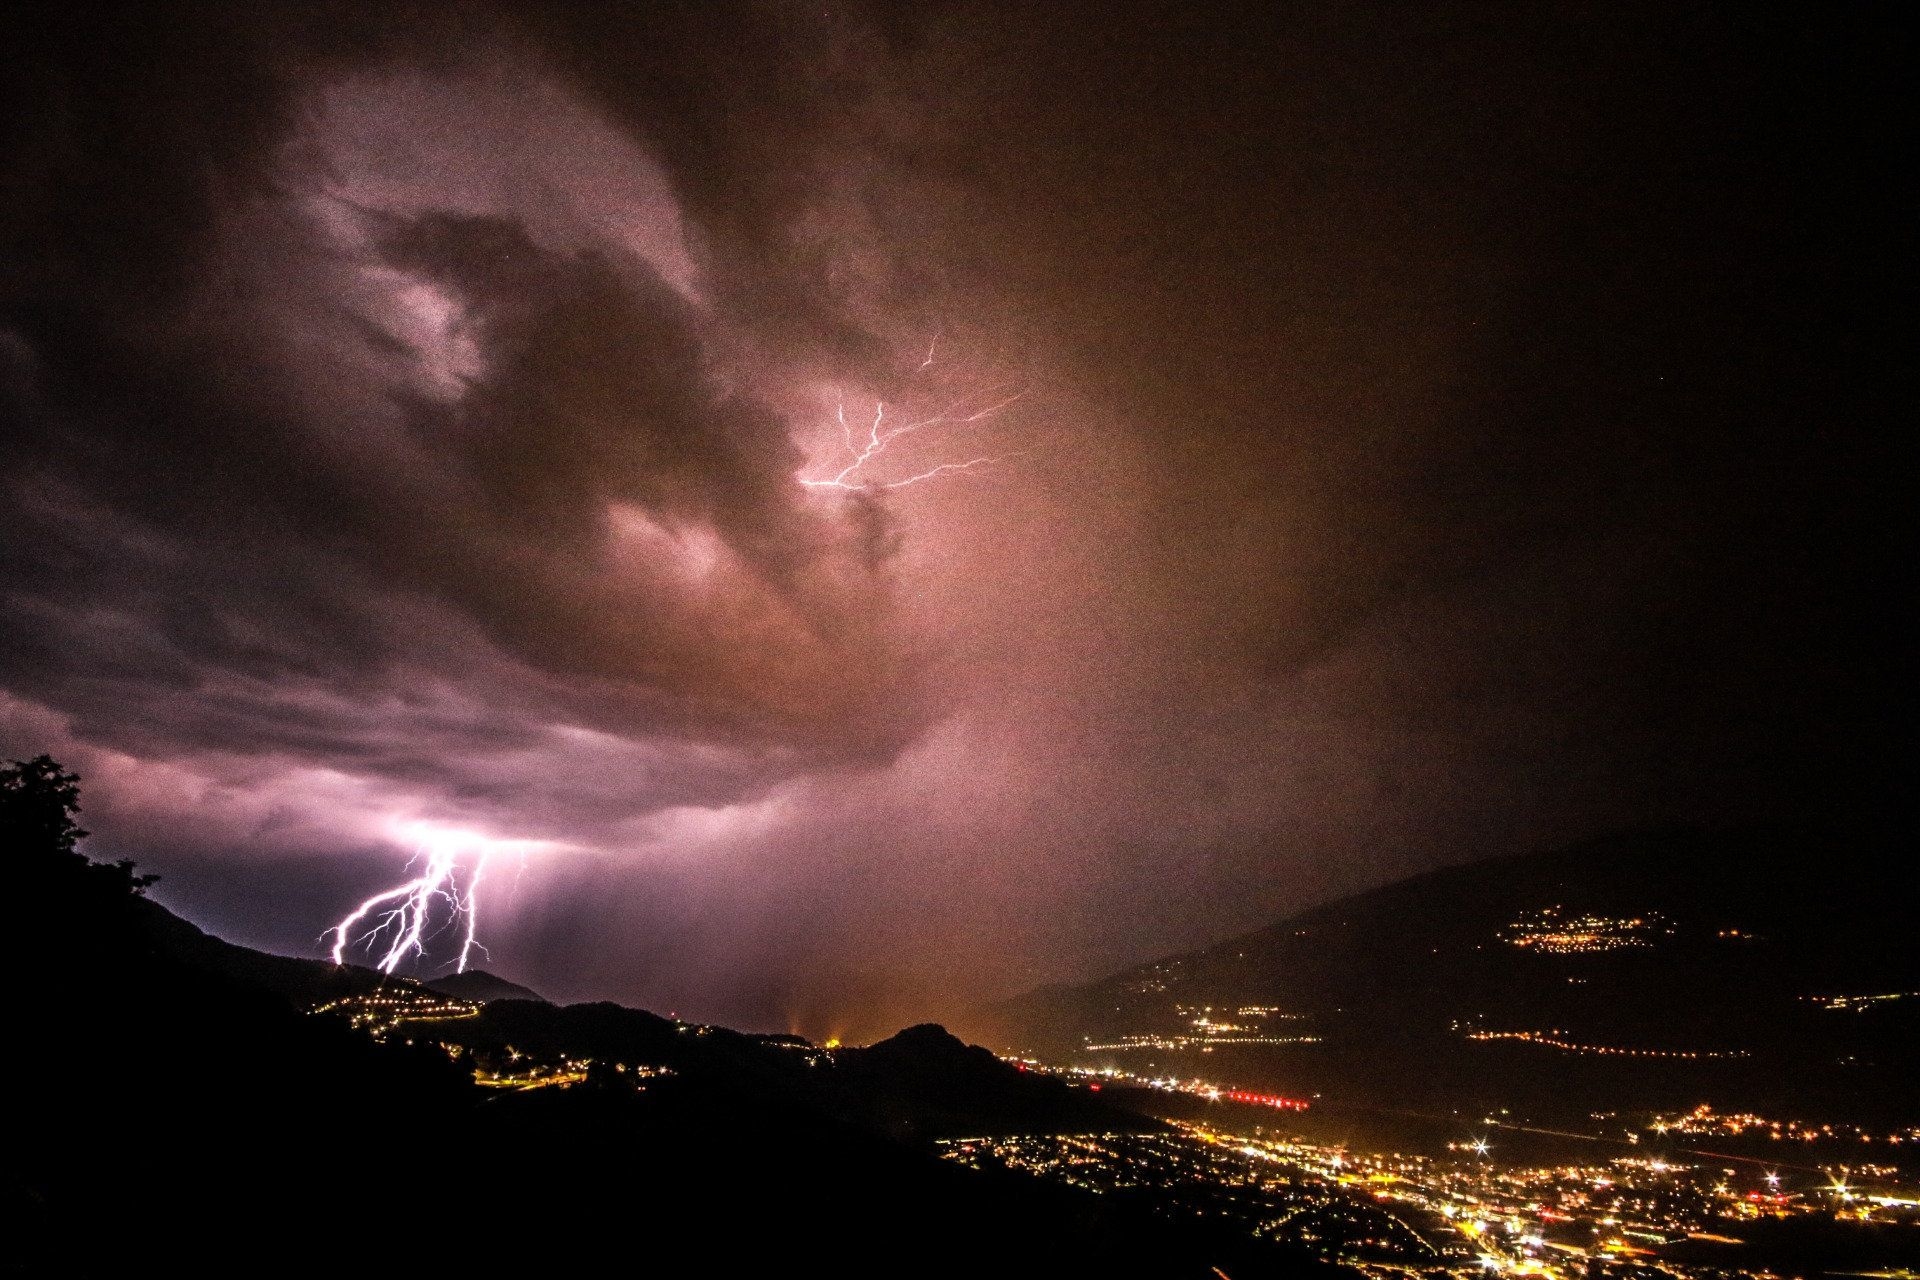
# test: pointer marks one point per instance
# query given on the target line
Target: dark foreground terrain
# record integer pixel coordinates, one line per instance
(171, 1102)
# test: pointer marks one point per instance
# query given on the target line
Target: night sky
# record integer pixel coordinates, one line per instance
(1364, 441)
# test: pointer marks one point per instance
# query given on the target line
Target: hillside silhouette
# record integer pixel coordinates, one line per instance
(478, 984)
(1725, 945)
(174, 1105)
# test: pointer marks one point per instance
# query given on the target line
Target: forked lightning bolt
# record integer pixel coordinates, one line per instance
(393, 925)
(863, 447)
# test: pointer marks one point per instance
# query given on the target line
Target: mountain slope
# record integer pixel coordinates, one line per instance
(175, 1107)
(1703, 964)
(481, 986)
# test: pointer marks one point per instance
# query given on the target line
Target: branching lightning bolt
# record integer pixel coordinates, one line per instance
(470, 907)
(863, 447)
(395, 925)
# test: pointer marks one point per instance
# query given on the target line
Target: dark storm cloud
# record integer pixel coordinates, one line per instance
(1414, 309)
(1445, 433)
(401, 465)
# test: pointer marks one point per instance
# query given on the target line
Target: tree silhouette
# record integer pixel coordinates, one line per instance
(38, 803)
(38, 800)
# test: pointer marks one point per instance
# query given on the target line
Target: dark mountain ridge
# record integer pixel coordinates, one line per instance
(1729, 947)
(172, 1103)
(481, 986)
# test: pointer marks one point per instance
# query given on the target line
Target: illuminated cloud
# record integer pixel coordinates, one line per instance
(433, 422)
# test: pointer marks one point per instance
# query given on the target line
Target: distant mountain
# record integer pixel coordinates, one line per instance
(926, 1082)
(922, 1083)
(1651, 969)
(481, 986)
(301, 981)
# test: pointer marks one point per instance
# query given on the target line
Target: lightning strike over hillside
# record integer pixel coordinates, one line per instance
(395, 926)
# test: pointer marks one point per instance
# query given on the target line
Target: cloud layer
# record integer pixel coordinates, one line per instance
(1431, 440)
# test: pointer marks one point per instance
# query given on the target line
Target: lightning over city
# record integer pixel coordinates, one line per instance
(1128, 640)
(397, 926)
(406, 920)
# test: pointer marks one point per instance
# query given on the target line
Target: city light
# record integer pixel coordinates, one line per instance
(1552, 931)
(1592, 1220)
(1554, 1040)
